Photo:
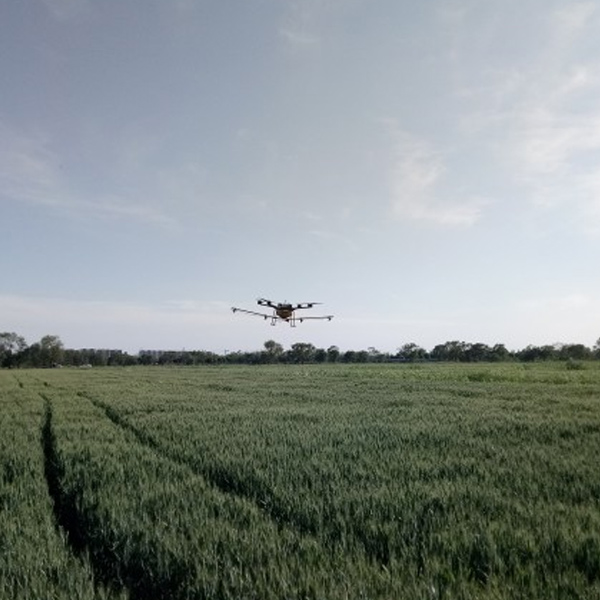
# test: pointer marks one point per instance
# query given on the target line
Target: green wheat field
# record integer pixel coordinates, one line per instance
(301, 482)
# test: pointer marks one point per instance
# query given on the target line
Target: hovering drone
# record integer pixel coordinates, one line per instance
(282, 311)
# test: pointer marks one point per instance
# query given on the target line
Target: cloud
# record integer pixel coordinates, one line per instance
(538, 115)
(120, 209)
(546, 142)
(29, 169)
(64, 10)
(32, 172)
(553, 145)
(415, 179)
(300, 23)
(298, 38)
(568, 21)
(305, 22)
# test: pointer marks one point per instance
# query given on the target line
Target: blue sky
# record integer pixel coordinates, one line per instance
(430, 171)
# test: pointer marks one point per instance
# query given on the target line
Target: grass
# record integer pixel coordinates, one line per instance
(331, 481)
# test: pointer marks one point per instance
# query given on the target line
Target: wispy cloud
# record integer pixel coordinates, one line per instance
(304, 22)
(298, 37)
(32, 172)
(299, 24)
(415, 179)
(120, 209)
(540, 115)
(29, 169)
(545, 142)
(568, 21)
(64, 10)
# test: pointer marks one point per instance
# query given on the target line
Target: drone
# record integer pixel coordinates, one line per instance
(282, 311)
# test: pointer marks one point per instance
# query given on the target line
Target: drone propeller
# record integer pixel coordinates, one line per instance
(265, 302)
(307, 304)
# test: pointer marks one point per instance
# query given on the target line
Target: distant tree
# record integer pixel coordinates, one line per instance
(452, 351)
(574, 352)
(96, 357)
(547, 352)
(302, 352)
(31, 356)
(320, 355)
(51, 351)
(349, 356)
(273, 351)
(477, 352)
(187, 358)
(362, 356)
(118, 358)
(145, 358)
(212, 358)
(499, 353)
(411, 352)
(333, 354)
(169, 357)
(534, 353)
(129, 360)
(11, 346)
(526, 354)
(596, 348)
(373, 355)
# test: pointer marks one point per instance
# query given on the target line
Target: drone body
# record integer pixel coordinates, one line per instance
(282, 311)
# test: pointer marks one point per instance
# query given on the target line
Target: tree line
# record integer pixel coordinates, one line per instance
(50, 352)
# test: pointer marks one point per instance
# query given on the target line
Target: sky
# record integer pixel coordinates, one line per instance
(429, 171)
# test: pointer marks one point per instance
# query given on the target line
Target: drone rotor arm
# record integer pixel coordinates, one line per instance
(251, 312)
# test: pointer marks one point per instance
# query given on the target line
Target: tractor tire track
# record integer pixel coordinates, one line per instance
(375, 545)
(254, 490)
(68, 516)
(249, 488)
(81, 526)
